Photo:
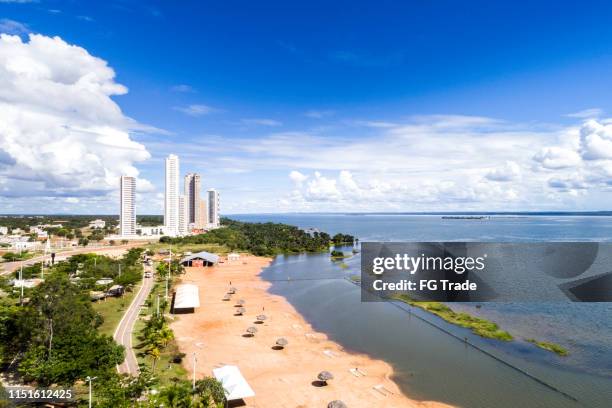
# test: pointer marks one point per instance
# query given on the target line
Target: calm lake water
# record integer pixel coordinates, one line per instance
(430, 357)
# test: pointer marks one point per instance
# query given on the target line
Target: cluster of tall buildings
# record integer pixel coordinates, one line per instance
(185, 211)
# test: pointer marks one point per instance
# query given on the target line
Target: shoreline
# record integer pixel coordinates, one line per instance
(280, 378)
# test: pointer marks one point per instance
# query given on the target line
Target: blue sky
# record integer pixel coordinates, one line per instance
(337, 106)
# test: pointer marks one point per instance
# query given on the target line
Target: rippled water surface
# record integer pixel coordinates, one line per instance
(430, 357)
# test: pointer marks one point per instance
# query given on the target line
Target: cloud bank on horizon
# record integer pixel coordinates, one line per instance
(64, 141)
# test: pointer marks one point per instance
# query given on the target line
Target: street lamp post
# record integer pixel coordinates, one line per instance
(89, 380)
(195, 360)
(169, 272)
(21, 281)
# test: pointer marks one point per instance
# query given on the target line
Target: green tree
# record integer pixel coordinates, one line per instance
(155, 353)
(177, 395)
(210, 390)
(63, 344)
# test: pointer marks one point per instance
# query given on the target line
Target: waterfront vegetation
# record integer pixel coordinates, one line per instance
(479, 326)
(555, 348)
(335, 254)
(262, 239)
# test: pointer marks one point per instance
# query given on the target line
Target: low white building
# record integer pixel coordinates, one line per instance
(150, 231)
(186, 298)
(3, 230)
(40, 233)
(24, 245)
(27, 283)
(97, 224)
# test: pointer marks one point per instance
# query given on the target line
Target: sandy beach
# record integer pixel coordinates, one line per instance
(280, 378)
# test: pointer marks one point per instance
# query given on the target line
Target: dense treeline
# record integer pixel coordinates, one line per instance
(150, 220)
(67, 221)
(52, 338)
(264, 239)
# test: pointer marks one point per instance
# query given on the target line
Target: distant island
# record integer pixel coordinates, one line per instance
(465, 217)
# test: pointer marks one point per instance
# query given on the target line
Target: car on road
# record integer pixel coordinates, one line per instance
(148, 275)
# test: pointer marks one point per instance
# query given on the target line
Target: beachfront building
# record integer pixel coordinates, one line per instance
(213, 209)
(127, 203)
(171, 204)
(200, 259)
(233, 382)
(186, 298)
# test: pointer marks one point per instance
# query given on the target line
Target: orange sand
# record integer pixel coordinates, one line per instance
(280, 378)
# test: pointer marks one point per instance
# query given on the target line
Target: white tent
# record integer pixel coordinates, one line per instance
(186, 297)
(234, 384)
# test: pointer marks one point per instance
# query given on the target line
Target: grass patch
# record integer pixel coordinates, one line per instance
(481, 327)
(356, 278)
(112, 310)
(555, 348)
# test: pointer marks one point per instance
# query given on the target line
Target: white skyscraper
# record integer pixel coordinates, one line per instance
(127, 204)
(183, 219)
(213, 208)
(192, 195)
(171, 207)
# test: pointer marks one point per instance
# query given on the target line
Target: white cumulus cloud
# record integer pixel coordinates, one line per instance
(596, 141)
(507, 172)
(61, 134)
(556, 157)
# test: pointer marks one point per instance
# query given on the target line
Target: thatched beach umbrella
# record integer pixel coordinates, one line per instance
(325, 376)
(282, 342)
(336, 404)
(231, 290)
(241, 302)
(252, 330)
(241, 311)
(261, 318)
(226, 297)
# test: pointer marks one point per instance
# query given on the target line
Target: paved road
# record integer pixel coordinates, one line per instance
(8, 267)
(123, 333)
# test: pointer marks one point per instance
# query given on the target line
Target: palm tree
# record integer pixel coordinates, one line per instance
(177, 395)
(165, 335)
(155, 353)
(210, 388)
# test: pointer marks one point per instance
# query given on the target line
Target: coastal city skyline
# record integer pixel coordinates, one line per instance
(184, 213)
(293, 131)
